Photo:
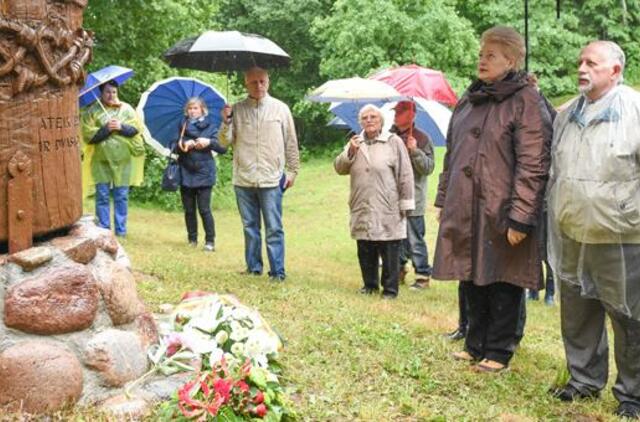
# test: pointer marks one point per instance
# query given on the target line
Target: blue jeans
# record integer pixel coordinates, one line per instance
(251, 203)
(120, 207)
(414, 248)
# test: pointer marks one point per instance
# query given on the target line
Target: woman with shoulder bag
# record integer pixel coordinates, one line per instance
(198, 169)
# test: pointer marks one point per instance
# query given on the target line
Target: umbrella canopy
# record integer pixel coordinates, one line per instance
(357, 90)
(431, 117)
(91, 89)
(418, 82)
(338, 123)
(224, 51)
(162, 108)
(347, 112)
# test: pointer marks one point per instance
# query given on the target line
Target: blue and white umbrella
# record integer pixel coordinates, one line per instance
(431, 117)
(90, 92)
(162, 108)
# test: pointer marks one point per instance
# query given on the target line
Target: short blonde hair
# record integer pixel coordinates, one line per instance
(371, 107)
(510, 41)
(196, 100)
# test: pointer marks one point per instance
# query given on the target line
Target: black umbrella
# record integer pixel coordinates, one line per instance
(226, 51)
(223, 51)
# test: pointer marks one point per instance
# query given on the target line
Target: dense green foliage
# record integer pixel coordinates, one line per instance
(341, 38)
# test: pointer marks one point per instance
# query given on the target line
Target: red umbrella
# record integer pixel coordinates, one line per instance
(416, 81)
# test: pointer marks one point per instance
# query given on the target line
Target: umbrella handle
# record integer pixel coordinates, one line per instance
(180, 143)
(101, 105)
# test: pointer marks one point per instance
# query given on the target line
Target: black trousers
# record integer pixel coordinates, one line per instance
(369, 253)
(495, 317)
(199, 198)
(463, 320)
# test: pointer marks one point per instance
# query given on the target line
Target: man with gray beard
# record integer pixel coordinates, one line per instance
(594, 228)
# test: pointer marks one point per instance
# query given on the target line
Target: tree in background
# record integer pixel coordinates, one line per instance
(330, 39)
(286, 22)
(135, 33)
(554, 44)
(360, 36)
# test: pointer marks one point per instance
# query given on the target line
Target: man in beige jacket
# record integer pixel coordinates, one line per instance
(265, 163)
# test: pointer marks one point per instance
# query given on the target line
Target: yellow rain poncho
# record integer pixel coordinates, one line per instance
(118, 160)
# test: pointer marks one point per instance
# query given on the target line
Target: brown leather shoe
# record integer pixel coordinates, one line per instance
(488, 365)
(463, 355)
(420, 284)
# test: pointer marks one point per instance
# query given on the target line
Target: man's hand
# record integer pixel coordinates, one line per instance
(202, 143)
(114, 125)
(225, 113)
(412, 144)
(288, 182)
(514, 236)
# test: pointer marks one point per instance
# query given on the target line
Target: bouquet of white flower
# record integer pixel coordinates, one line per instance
(202, 330)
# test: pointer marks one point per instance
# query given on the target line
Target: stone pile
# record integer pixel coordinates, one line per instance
(72, 327)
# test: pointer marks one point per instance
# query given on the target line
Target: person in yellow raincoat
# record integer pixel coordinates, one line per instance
(113, 155)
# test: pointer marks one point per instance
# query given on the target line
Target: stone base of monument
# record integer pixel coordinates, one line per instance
(73, 330)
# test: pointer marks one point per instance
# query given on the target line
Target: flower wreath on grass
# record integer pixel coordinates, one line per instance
(232, 352)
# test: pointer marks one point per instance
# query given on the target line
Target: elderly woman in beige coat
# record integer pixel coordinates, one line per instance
(381, 193)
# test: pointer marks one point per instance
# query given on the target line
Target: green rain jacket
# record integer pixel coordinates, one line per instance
(118, 159)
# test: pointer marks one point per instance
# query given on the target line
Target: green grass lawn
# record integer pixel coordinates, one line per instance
(349, 357)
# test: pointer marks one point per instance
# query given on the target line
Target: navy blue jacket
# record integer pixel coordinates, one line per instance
(197, 166)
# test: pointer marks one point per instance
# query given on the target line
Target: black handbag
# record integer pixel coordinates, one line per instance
(171, 174)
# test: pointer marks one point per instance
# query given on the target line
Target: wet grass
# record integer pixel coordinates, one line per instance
(349, 357)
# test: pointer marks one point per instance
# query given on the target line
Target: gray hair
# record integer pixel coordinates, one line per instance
(255, 69)
(371, 107)
(615, 55)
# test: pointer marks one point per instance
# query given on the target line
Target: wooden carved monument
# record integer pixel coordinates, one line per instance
(43, 50)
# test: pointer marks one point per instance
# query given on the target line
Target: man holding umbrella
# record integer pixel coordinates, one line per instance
(113, 154)
(420, 150)
(266, 162)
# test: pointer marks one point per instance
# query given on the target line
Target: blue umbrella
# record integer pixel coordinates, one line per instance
(338, 123)
(431, 117)
(91, 89)
(162, 108)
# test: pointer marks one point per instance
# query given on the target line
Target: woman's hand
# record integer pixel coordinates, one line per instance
(186, 146)
(514, 236)
(354, 144)
(202, 143)
(114, 125)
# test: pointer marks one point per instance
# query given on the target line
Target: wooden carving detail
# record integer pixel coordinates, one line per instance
(43, 50)
(33, 53)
